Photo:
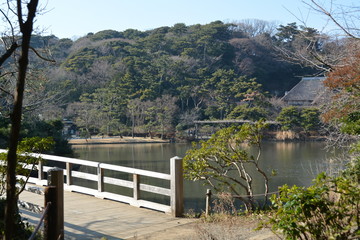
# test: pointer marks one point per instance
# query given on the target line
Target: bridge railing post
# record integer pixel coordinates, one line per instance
(40, 170)
(56, 197)
(136, 189)
(68, 174)
(100, 174)
(176, 187)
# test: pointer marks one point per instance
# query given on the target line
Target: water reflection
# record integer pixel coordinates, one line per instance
(295, 163)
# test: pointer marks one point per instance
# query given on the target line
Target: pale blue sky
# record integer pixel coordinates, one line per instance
(76, 18)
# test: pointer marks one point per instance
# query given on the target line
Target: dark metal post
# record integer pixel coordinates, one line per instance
(56, 178)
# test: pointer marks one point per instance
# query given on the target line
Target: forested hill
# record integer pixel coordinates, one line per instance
(111, 80)
(165, 59)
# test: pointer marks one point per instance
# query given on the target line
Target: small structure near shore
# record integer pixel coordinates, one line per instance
(308, 92)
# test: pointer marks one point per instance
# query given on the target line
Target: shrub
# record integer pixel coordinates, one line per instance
(226, 163)
(329, 209)
(289, 118)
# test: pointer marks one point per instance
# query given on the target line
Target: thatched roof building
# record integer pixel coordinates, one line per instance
(308, 92)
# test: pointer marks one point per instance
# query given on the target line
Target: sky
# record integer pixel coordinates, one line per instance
(76, 18)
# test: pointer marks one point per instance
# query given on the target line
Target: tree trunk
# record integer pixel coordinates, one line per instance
(26, 29)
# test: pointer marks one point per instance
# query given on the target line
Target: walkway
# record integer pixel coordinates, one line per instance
(87, 217)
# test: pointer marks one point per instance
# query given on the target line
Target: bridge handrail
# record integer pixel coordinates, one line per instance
(175, 177)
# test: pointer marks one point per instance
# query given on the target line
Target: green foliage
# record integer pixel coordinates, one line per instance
(248, 113)
(45, 129)
(209, 68)
(82, 60)
(329, 209)
(292, 118)
(224, 161)
(310, 119)
(105, 34)
(289, 118)
(351, 123)
(26, 148)
(4, 131)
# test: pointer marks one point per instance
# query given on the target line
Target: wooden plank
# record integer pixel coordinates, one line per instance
(155, 206)
(118, 182)
(155, 189)
(66, 159)
(143, 187)
(101, 179)
(135, 171)
(87, 176)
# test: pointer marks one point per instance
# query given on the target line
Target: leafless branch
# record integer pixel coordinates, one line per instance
(334, 20)
(8, 53)
(40, 56)
(8, 93)
(10, 24)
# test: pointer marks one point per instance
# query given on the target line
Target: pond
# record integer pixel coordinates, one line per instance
(294, 162)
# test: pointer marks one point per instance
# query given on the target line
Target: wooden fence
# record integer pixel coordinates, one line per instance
(175, 192)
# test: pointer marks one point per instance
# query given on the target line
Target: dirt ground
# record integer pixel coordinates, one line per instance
(230, 229)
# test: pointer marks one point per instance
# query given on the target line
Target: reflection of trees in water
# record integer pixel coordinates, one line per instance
(295, 163)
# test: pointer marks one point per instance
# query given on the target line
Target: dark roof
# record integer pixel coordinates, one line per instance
(308, 89)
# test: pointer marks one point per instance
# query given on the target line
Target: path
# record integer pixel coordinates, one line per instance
(87, 217)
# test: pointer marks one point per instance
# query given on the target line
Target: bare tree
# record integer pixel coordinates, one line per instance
(324, 51)
(344, 17)
(24, 24)
(254, 27)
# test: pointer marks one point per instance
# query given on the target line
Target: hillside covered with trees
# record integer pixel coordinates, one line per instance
(163, 79)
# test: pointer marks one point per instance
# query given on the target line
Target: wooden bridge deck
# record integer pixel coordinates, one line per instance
(87, 217)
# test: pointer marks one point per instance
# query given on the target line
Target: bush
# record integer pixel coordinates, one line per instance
(226, 163)
(310, 119)
(248, 113)
(327, 210)
(289, 118)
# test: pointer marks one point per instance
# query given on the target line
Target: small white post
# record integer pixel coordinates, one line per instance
(176, 187)
(100, 173)
(208, 200)
(68, 174)
(136, 190)
(40, 171)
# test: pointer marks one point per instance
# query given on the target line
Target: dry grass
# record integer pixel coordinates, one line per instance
(286, 135)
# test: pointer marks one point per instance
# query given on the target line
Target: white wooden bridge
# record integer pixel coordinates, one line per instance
(94, 213)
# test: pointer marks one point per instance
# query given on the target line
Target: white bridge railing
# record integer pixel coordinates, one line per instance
(175, 192)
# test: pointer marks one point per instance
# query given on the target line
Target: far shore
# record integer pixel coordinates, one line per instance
(115, 140)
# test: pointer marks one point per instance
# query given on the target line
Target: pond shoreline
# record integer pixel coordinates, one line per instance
(277, 136)
(115, 140)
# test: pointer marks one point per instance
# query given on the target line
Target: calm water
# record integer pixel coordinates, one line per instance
(295, 163)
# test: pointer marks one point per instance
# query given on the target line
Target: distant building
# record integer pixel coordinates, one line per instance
(310, 91)
(69, 129)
